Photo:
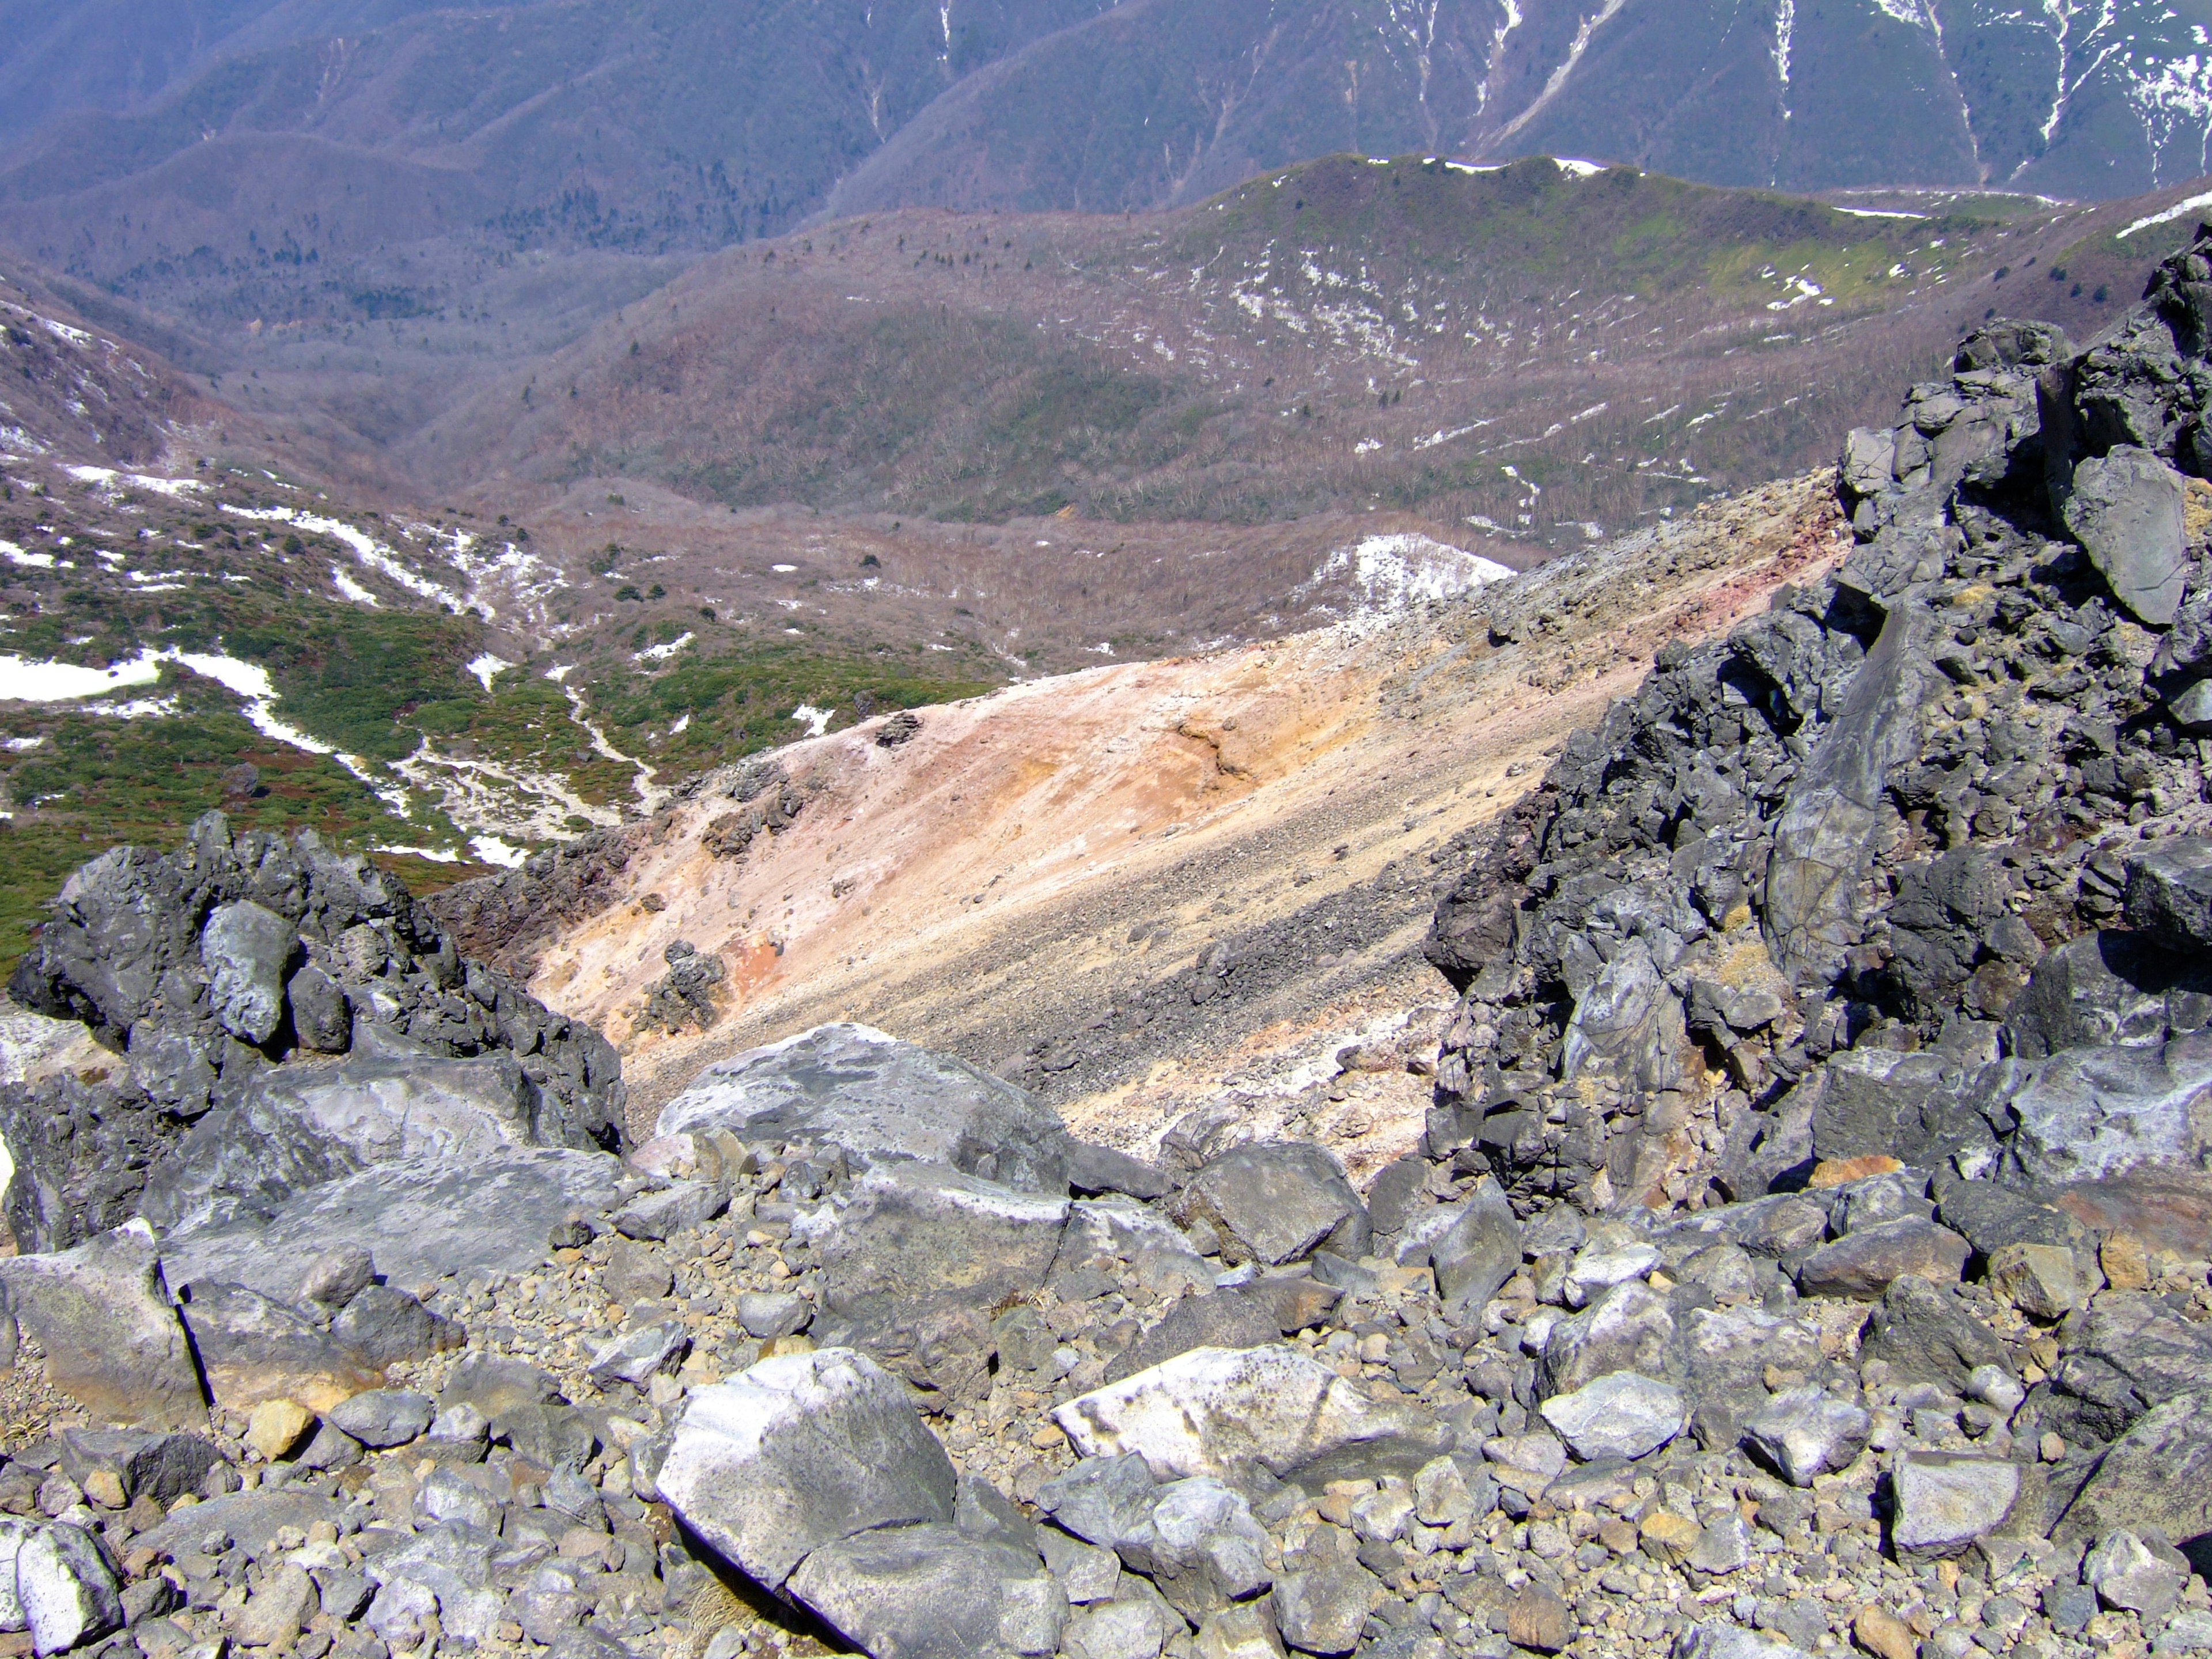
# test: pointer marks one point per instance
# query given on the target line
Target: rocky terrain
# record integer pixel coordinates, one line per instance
(1804, 1248)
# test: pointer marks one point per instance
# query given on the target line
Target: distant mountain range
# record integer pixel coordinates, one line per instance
(148, 134)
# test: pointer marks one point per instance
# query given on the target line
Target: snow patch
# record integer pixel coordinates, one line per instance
(816, 721)
(2174, 212)
(492, 850)
(487, 668)
(1389, 573)
(349, 589)
(177, 489)
(16, 554)
(663, 652)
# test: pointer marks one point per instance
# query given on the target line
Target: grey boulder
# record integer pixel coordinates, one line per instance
(798, 1452)
(2157, 1474)
(930, 1592)
(296, 1127)
(1195, 1539)
(2092, 1114)
(1629, 1328)
(1276, 1201)
(2126, 511)
(2142, 1574)
(1621, 1414)
(1221, 1412)
(1944, 1501)
(2169, 892)
(639, 1356)
(379, 1418)
(146, 1464)
(1322, 1596)
(1864, 1263)
(879, 1101)
(1804, 1432)
(914, 1257)
(1479, 1253)
(246, 949)
(421, 1218)
(667, 1211)
(66, 1587)
(101, 1313)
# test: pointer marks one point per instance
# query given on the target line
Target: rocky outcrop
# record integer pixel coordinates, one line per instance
(232, 975)
(1847, 884)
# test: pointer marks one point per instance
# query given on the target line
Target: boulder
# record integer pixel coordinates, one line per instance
(1220, 1411)
(101, 1314)
(929, 1592)
(881, 1101)
(2169, 892)
(1864, 1263)
(2132, 1352)
(2126, 511)
(663, 1212)
(801, 1451)
(639, 1356)
(1275, 1201)
(1716, 1640)
(2157, 1474)
(1921, 1329)
(1120, 1238)
(2043, 1281)
(2141, 1575)
(1943, 1503)
(1528, 1463)
(251, 1519)
(914, 1260)
(1133, 1628)
(252, 1348)
(1629, 1328)
(496, 1387)
(1245, 1631)
(1479, 1252)
(766, 1314)
(246, 950)
(1801, 1433)
(1620, 1414)
(1093, 1170)
(2093, 1114)
(453, 1561)
(1597, 1269)
(1726, 1352)
(383, 1325)
(66, 1588)
(1322, 1597)
(278, 1610)
(1195, 1539)
(2105, 988)
(381, 1417)
(1222, 1319)
(296, 1127)
(145, 1464)
(420, 1219)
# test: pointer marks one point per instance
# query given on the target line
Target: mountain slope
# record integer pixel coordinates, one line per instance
(1156, 102)
(1537, 350)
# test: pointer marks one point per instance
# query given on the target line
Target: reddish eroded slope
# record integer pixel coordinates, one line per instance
(1050, 880)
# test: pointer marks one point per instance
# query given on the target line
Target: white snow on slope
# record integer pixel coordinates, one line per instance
(1389, 573)
(2174, 212)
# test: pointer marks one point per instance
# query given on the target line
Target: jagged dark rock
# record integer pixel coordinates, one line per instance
(190, 963)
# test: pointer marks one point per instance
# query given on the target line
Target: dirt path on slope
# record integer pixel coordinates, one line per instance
(1148, 888)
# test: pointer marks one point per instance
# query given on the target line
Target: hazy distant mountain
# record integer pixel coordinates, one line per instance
(696, 122)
